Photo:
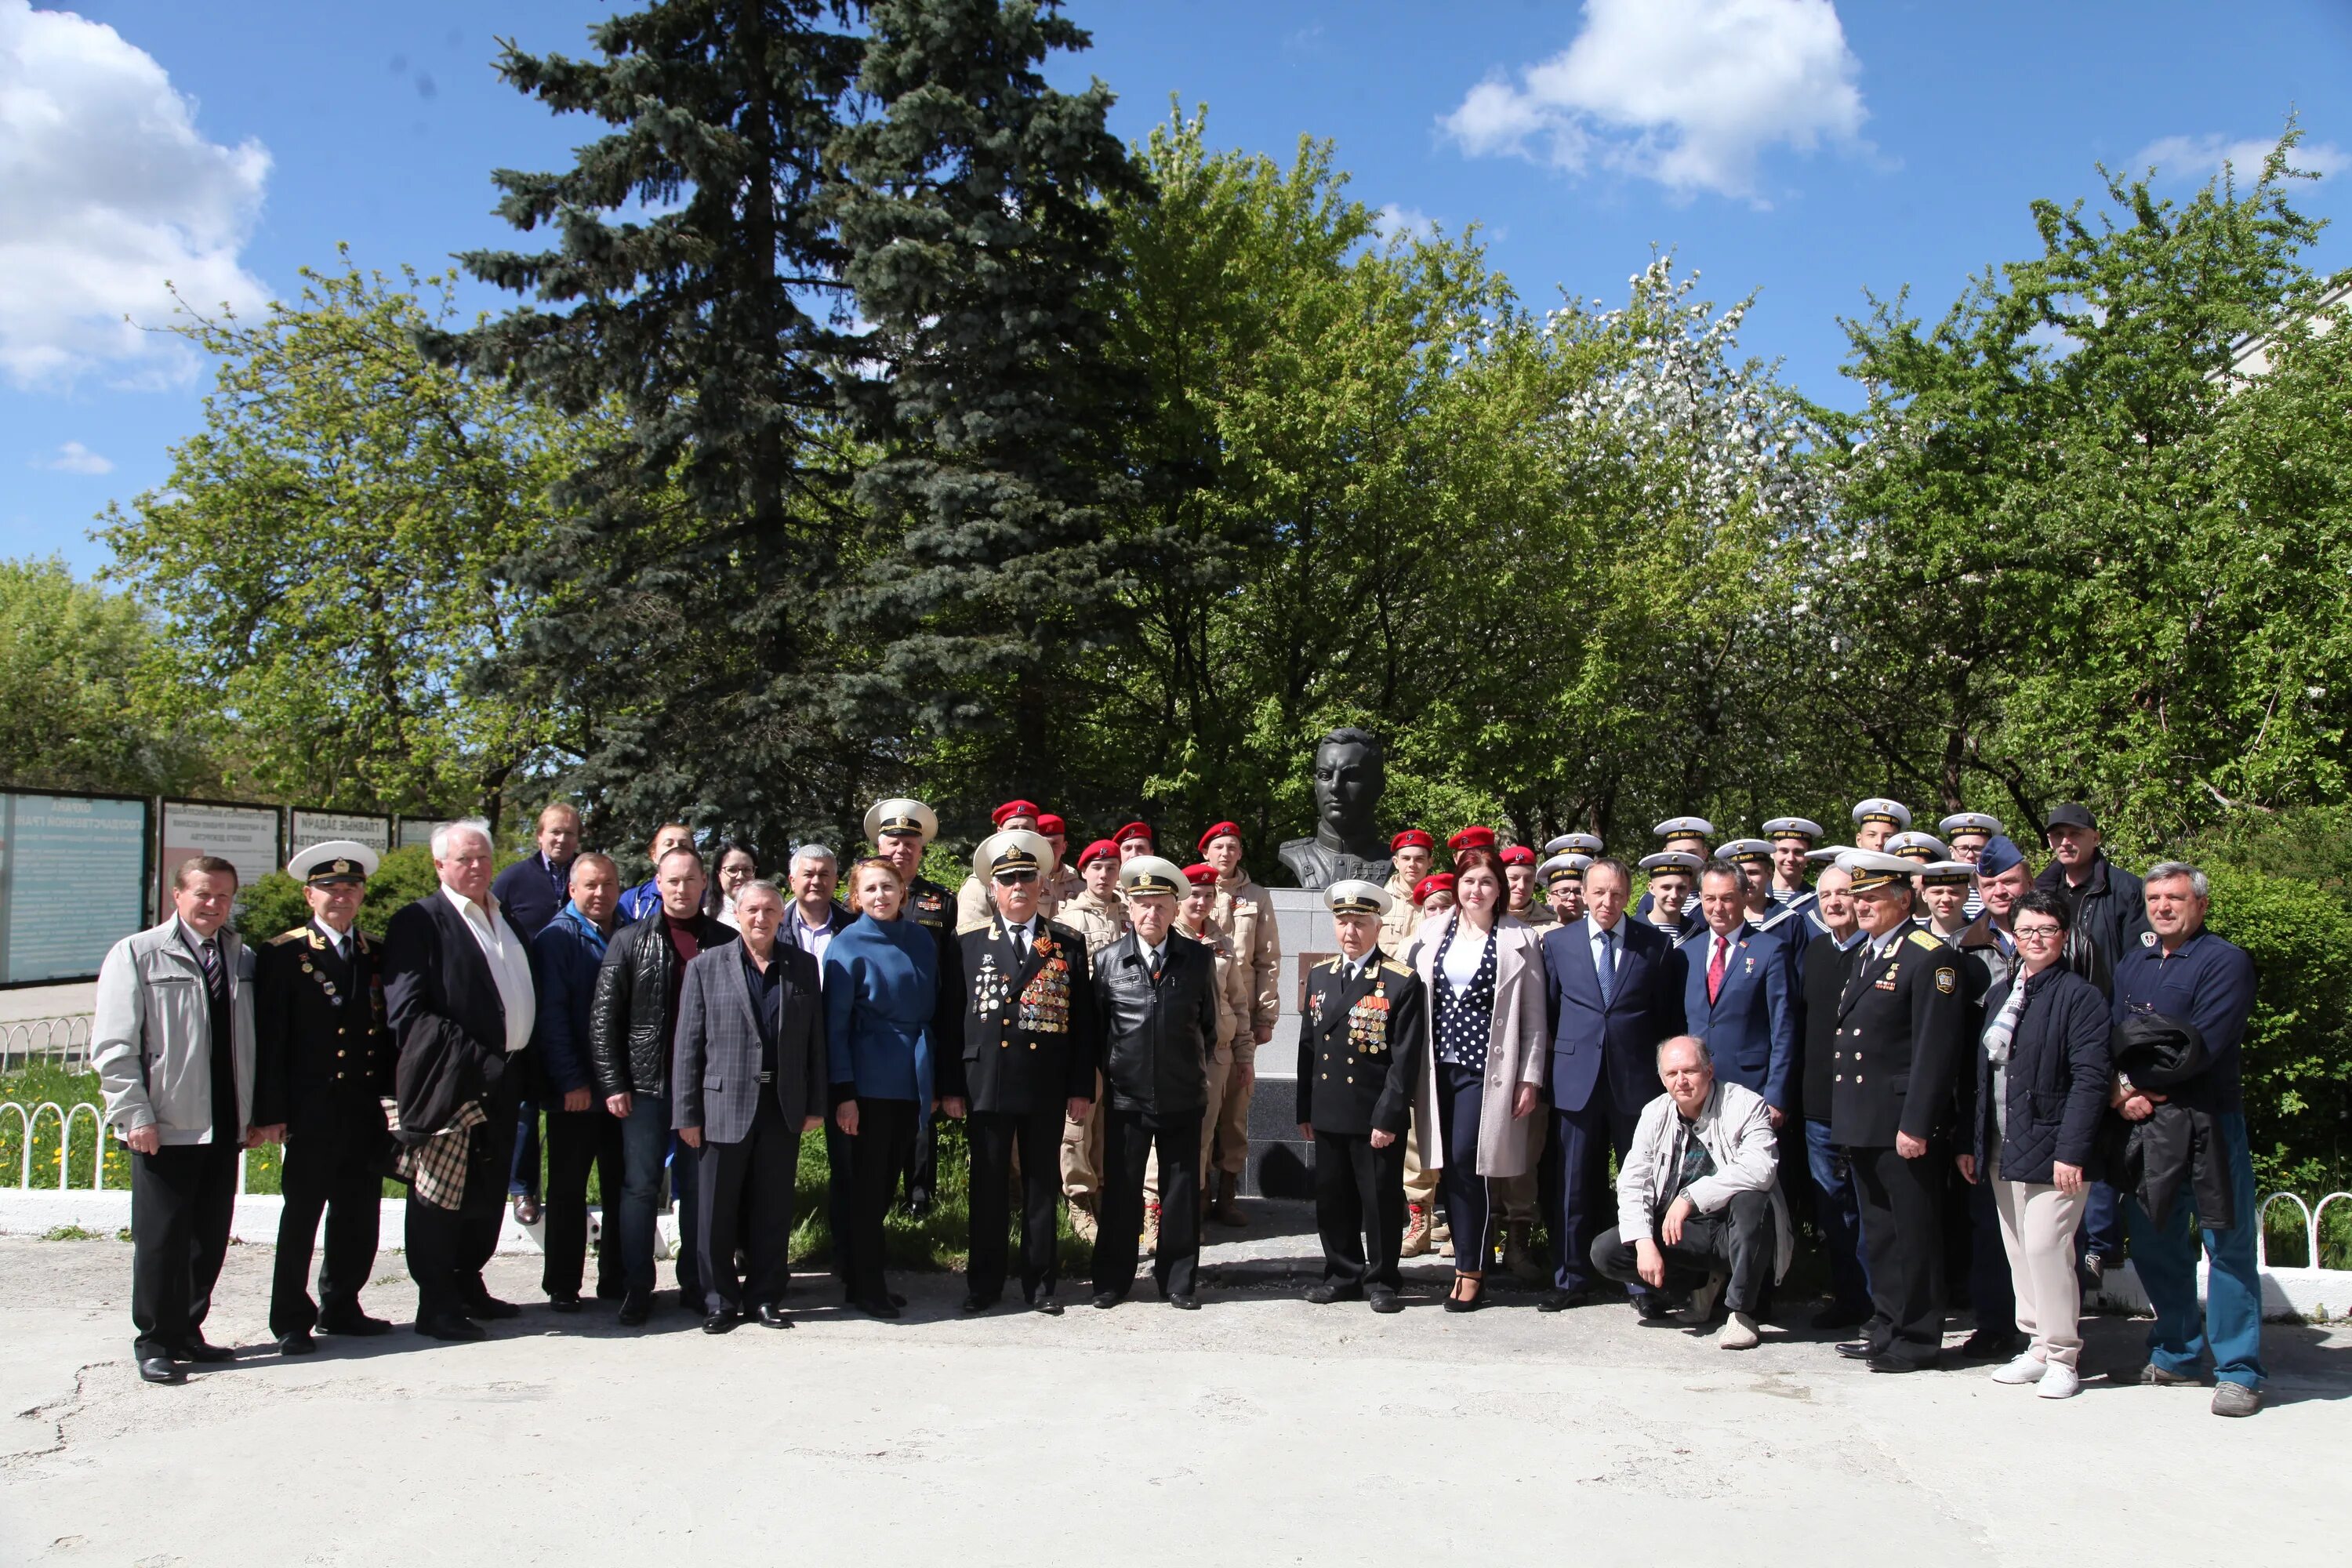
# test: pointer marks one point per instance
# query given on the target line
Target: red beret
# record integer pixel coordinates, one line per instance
(1517, 855)
(1049, 825)
(1027, 808)
(1100, 850)
(1216, 831)
(1472, 838)
(1203, 875)
(1436, 882)
(1411, 838)
(1135, 830)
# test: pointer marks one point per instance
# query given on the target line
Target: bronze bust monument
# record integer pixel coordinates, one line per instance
(1350, 772)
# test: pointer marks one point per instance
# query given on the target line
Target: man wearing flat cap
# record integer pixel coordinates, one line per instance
(1244, 912)
(1155, 1027)
(1024, 1066)
(1359, 1055)
(2107, 902)
(323, 1068)
(1893, 1051)
(974, 909)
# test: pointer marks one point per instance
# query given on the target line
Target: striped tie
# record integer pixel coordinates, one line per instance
(215, 980)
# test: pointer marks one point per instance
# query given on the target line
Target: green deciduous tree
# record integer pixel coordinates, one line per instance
(330, 546)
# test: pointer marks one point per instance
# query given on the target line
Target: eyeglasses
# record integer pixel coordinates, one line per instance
(2037, 933)
(1014, 878)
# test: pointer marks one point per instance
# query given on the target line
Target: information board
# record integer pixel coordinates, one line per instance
(244, 836)
(73, 882)
(317, 827)
(416, 830)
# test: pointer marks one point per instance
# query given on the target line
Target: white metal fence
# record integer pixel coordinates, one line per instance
(65, 1041)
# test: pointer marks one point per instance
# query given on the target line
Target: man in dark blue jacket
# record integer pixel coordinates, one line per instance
(2190, 975)
(1613, 989)
(580, 1133)
(1738, 990)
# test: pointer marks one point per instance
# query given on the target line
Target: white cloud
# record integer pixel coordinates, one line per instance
(2190, 160)
(1686, 92)
(109, 190)
(1395, 222)
(73, 458)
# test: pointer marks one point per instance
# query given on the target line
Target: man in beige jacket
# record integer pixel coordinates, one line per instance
(1244, 912)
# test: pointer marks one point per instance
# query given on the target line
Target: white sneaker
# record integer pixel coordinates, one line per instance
(1701, 1310)
(1738, 1334)
(2059, 1383)
(2027, 1368)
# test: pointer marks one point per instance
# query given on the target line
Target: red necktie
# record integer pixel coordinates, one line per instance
(1714, 970)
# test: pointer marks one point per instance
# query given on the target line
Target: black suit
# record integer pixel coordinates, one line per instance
(1359, 1058)
(1892, 1052)
(449, 1025)
(323, 1059)
(1026, 1051)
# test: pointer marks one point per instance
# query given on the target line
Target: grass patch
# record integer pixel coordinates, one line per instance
(71, 1233)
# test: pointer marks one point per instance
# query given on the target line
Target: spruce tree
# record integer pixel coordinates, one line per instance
(693, 305)
(979, 248)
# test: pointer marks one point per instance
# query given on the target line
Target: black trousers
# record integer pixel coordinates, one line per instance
(746, 1191)
(448, 1248)
(922, 1169)
(523, 1168)
(1359, 1208)
(1469, 1203)
(1738, 1240)
(1128, 1139)
(331, 1166)
(1903, 1237)
(995, 1137)
(183, 1197)
(886, 1137)
(577, 1142)
(1584, 1198)
(840, 1209)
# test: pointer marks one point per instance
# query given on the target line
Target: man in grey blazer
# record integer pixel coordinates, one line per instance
(749, 1081)
(172, 1042)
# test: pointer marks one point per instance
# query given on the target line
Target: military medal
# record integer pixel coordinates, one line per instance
(1368, 1022)
(1045, 1000)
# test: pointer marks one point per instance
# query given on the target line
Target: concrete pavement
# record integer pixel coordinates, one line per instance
(1258, 1430)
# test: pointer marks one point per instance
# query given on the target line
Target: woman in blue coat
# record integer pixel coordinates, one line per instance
(881, 993)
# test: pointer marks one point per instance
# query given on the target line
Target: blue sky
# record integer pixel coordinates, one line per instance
(1806, 150)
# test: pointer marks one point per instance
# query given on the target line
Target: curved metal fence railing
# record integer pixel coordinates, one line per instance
(65, 1041)
(28, 1124)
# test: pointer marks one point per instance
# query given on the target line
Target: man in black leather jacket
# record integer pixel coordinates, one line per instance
(632, 1036)
(1156, 1023)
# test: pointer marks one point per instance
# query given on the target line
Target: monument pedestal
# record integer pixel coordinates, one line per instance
(1279, 1162)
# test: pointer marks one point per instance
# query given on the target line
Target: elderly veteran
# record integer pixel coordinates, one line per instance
(973, 912)
(1155, 1025)
(322, 1070)
(1698, 1197)
(1022, 1065)
(1878, 819)
(1245, 911)
(1895, 1051)
(171, 1043)
(1360, 1049)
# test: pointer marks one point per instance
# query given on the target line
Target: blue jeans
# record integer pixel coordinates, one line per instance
(2166, 1256)
(1837, 1210)
(2103, 1226)
(644, 1148)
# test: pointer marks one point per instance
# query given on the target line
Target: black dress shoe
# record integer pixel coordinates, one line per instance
(721, 1321)
(1562, 1300)
(1991, 1344)
(160, 1369)
(770, 1316)
(453, 1327)
(1047, 1305)
(569, 1303)
(1653, 1304)
(1900, 1364)
(1857, 1350)
(204, 1350)
(359, 1325)
(1185, 1303)
(1385, 1299)
(882, 1309)
(1326, 1293)
(634, 1310)
(972, 1302)
(1833, 1317)
(489, 1309)
(299, 1342)
(1106, 1299)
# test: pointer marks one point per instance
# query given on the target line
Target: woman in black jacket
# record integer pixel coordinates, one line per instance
(2040, 1086)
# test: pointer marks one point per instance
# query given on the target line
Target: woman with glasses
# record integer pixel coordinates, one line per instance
(2040, 1087)
(734, 868)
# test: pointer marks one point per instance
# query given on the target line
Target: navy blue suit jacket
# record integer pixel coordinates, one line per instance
(1751, 1027)
(1613, 1046)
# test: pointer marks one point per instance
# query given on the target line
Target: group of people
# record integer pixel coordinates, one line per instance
(1910, 1036)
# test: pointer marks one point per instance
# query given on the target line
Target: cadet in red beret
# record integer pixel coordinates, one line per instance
(1519, 887)
(1471, 837)
(1136, 839)
(1066, 883)
(1016, 814)
(1411, 852)
(1437, 885)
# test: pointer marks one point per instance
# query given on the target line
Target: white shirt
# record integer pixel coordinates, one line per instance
(1464, 954)
(1600, 955)
(510, 966)
(1021, 935)
(1151, 956)
(1354, 968)
(811, 939)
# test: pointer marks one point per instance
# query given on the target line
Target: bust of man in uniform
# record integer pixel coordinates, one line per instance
(1350, 772)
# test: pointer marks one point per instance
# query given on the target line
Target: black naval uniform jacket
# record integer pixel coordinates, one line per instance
(1361, 1046)
(1027, 1044)
(933, 908)
(323, 1053)
(1897, 1043)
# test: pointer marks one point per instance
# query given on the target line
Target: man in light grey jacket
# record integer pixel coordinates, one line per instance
(1698, 1196)
(172, 1042)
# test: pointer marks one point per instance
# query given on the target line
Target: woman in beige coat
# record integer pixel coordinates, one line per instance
(1483, 973)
